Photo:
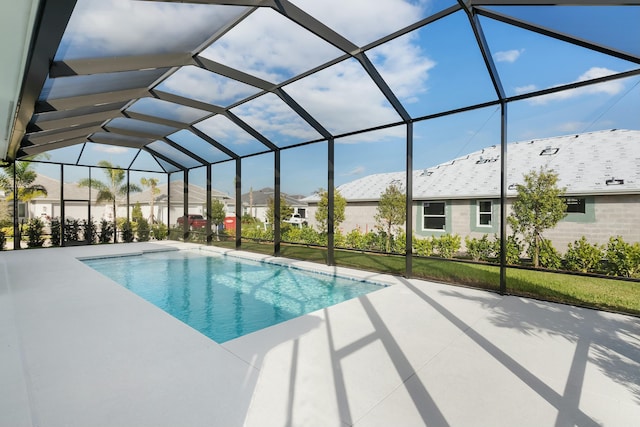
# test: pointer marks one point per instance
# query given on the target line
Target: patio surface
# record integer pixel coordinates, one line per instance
(76, 349)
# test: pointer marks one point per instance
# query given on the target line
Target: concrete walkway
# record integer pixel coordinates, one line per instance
(77, 349)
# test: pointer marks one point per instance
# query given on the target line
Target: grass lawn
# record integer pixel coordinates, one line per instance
(595, 292)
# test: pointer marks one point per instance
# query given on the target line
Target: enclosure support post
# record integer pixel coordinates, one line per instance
(16, 227)
(128, 199)
(208, 205)
(185, 205)
(330, 202)
(276, 204)
(169, 202)
(503, 198)
(238, 203)
(408, 255)
(88, 235)
(62, 213)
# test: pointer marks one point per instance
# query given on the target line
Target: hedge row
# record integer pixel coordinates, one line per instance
(33, 231)
(617, 258)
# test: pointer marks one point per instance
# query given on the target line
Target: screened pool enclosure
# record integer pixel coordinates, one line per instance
(215, 100)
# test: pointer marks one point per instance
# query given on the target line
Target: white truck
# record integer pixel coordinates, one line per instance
(296, 220)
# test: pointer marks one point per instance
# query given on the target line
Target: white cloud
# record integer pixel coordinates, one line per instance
(570, 127)
(609, 88)
(268, 114)
(124, 27)
(579, 127)
(282, 50)
(196, 83)
(225, 131)
(343, 98)
(363, 21)
(111, 149)
(508, 55)
(404, 66)
(525, 89)
(358, 170)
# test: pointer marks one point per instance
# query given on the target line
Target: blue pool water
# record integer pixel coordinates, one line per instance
(224, 297)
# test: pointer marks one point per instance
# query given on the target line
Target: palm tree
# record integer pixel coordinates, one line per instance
(151, 183)
(24, 181)
(113, 188)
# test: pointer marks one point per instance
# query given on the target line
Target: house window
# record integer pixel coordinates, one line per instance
(485, 211)
(433, 216)
(22, 210)
(302, 212)
(575, 204)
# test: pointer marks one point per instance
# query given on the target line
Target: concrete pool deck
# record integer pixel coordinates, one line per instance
(76, 349)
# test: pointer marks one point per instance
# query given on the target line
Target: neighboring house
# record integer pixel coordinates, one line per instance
(80, 203)
(600, 170)
(197, 201)
(256, 203)
(76, 202)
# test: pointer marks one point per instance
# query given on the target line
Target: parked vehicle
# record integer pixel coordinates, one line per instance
(194, 221)
(296, 219)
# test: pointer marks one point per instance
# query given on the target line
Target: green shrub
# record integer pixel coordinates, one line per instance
(257, 233)
(548, 256)
(8, 231)
(176, 232)
(55, 232)
(127, 232)
(623, 259)
(447, 245)
(120, 222)
(248, 221)
(71, 230)
(310, 236)
(374, 241)
(143, 230)
(323, 239)
(199, 236)
(354, 239)
(481, 249)
(304, 234)
(159, 231)
(514, 249)
(106, 231)
(583, 256)
(399, 243)
(339, 239)
(136, 212)
(35, 229)
(423, 247)
(90, 231)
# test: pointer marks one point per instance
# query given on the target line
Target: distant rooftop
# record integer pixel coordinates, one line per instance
(602, 162)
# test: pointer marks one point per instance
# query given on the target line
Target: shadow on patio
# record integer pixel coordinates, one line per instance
(424, 354)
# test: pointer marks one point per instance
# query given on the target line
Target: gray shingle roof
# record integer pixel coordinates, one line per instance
(197, 194)
(261, 198)
(587, 163)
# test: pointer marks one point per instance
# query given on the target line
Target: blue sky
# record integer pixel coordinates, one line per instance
(432, 69)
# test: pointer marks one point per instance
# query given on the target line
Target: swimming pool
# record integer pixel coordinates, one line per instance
(225, 297)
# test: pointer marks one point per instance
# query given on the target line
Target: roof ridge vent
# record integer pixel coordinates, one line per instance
(549, 151)
(482, 160)
(614, 181)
